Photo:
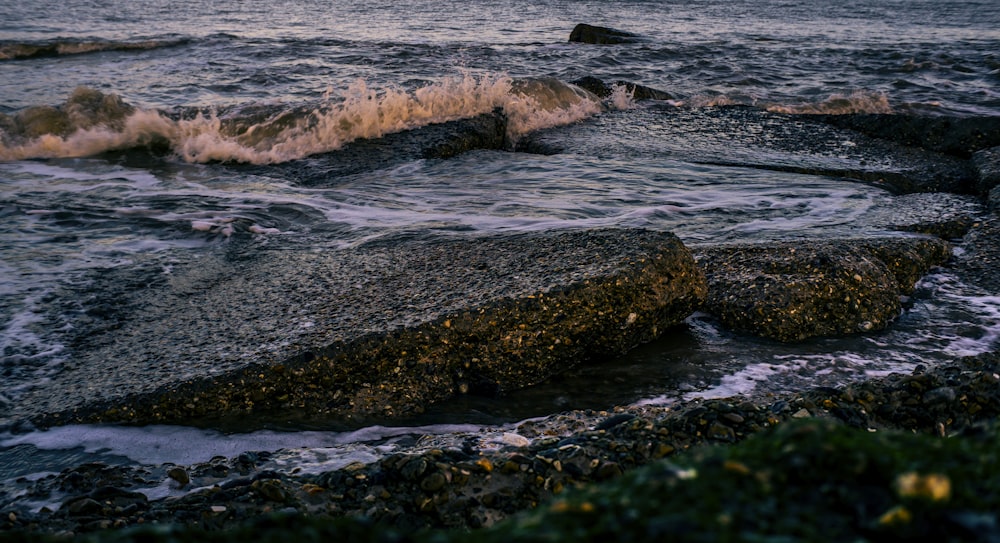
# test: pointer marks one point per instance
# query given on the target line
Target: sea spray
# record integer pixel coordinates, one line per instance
(91, 122)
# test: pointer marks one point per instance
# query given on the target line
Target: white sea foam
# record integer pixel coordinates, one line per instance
(345, 116)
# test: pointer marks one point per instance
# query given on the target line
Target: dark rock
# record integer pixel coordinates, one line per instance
(750, 137)
(978, 262)
(614, 420)
(793, 290)
(180, 475)
(603, 90)
(487, 131)
(83, 506)
(987, 166)
(958, 136)
(585, 33)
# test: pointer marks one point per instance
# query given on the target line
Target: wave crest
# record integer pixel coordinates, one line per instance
(21, 51)
(91, 122)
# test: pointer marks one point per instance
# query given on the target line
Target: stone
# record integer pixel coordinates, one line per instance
(585, 33)
(84, 506)
(180, 475)
(987, 165)
(791, 291)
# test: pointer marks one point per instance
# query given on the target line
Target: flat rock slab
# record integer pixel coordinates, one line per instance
(379, 330)
(790, 291)
(743, 136)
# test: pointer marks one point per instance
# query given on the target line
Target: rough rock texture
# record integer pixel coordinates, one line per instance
(603, 90)
(979, 261)
(958, 136)
(376, 331)
(791, 291)
(987, 166)
(584, 33)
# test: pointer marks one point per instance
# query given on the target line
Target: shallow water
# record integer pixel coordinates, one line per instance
(177, 95)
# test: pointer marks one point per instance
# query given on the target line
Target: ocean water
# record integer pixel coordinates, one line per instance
(159, 130)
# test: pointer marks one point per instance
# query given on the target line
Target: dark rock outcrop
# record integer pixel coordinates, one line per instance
(979, 261)
(439, 140)
(749, 137)
(987, 165)
(958, 136)
(585, 33)
(603, 90)
(373, 332)
(791, 291)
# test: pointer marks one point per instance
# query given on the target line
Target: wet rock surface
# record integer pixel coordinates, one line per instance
(748, 137)
(604, 90)
(379, 330)
(473, 485)
(987, 165)
(956, 136)
(441, 140)
(791, 291)
(600, 35)
(979, 261)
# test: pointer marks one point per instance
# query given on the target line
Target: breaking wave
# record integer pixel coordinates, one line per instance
(91, 122)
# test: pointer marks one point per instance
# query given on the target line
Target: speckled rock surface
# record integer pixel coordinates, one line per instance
(978, 262)
(987, 165)
(791, 291)
(379, 330)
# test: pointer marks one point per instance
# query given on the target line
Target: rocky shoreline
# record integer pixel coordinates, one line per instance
(434, 343)
(561, 457)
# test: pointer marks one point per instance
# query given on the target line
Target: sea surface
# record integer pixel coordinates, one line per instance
(134, 114)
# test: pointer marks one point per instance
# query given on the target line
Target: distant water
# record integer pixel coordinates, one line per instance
(158, 99)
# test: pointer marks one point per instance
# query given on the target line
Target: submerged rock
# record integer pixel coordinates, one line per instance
(378, 331)
(585, 33)
(791, 291)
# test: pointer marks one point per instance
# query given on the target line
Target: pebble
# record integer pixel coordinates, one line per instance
(180, 475)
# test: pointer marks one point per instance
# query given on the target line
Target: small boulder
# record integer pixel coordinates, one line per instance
(792, 291)
(584, 33)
